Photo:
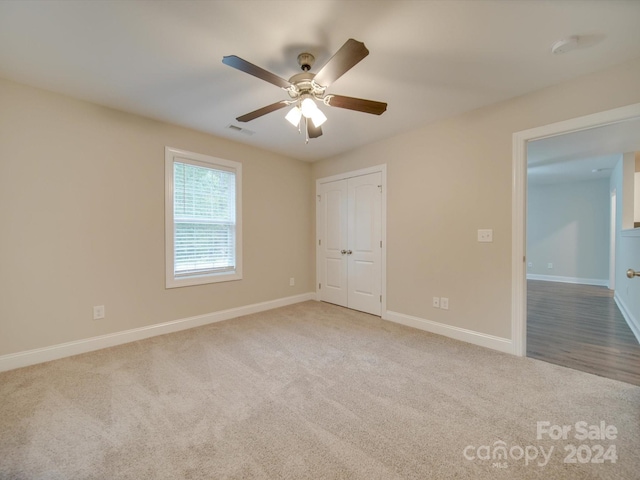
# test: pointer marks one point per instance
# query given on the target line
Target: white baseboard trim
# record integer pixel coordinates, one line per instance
(54, 352)
(581, 281)
(482, 339)
(634, 323)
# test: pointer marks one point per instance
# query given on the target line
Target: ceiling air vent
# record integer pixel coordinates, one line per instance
(235, 128)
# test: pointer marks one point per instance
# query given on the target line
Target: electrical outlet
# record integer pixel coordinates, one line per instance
(549, 265)
(98, 312)
(530, 264)
(292, 282)
(485, 236)
(444, 303)
(436, 302)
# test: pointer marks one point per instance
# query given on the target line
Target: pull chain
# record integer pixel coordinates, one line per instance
(306, 130)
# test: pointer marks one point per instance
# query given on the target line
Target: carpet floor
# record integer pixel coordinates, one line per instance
(313, 391)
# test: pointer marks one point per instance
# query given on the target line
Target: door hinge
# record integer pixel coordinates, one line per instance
(319, 286)
(319, 197)
(319, 241)
(380, 298)
(380, 243)
(380, 187)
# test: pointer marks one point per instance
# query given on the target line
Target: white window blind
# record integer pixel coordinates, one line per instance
(203, 224)
(204, 211)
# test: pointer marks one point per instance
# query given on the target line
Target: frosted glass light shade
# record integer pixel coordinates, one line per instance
(293, 117)
(308, 107)
(318, 118)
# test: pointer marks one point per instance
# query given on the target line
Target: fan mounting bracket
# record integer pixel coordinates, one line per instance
(306, 61)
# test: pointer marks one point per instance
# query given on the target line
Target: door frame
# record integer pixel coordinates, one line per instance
(519, 206)
(382, 169)
(613, 209)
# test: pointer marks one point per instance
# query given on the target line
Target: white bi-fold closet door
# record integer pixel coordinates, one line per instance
(349, 242)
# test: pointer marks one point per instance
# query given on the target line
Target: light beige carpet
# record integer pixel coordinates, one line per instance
(309, 391)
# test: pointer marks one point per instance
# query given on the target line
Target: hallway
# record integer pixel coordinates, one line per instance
(580, 327)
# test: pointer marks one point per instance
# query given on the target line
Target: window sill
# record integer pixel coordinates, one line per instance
(203, 279)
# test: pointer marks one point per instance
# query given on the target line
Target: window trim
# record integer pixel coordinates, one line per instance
(173, 155)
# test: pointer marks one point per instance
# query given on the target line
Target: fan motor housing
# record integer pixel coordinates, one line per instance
(303, 83)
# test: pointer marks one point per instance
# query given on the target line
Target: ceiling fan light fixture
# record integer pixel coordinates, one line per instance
(308, 107)
(305, 88)
(293, 117)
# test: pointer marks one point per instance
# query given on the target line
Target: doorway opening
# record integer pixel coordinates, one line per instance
(521, 141)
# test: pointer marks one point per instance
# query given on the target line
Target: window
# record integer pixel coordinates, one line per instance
(203, 219)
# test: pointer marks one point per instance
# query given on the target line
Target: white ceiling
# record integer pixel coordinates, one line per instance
(429, 59)
(573, 157)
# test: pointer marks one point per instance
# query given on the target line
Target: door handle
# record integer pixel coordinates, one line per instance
(632, 273)
(343, 252)
(349, 252)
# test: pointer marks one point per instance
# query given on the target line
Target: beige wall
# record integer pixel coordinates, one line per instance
(82, 221)
(450, 178)
(82, 216)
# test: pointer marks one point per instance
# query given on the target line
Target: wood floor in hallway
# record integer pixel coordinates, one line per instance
(581, 327)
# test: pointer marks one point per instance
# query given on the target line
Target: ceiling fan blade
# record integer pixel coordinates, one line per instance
(343, 60)
(262, 111)
(312, 130)
(358, 104)
(251, 69)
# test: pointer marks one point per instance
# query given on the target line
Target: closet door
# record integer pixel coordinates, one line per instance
(332, 239)
(364, 232)
(349, 242)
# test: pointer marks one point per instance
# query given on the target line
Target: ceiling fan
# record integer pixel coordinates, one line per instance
(306, 88)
